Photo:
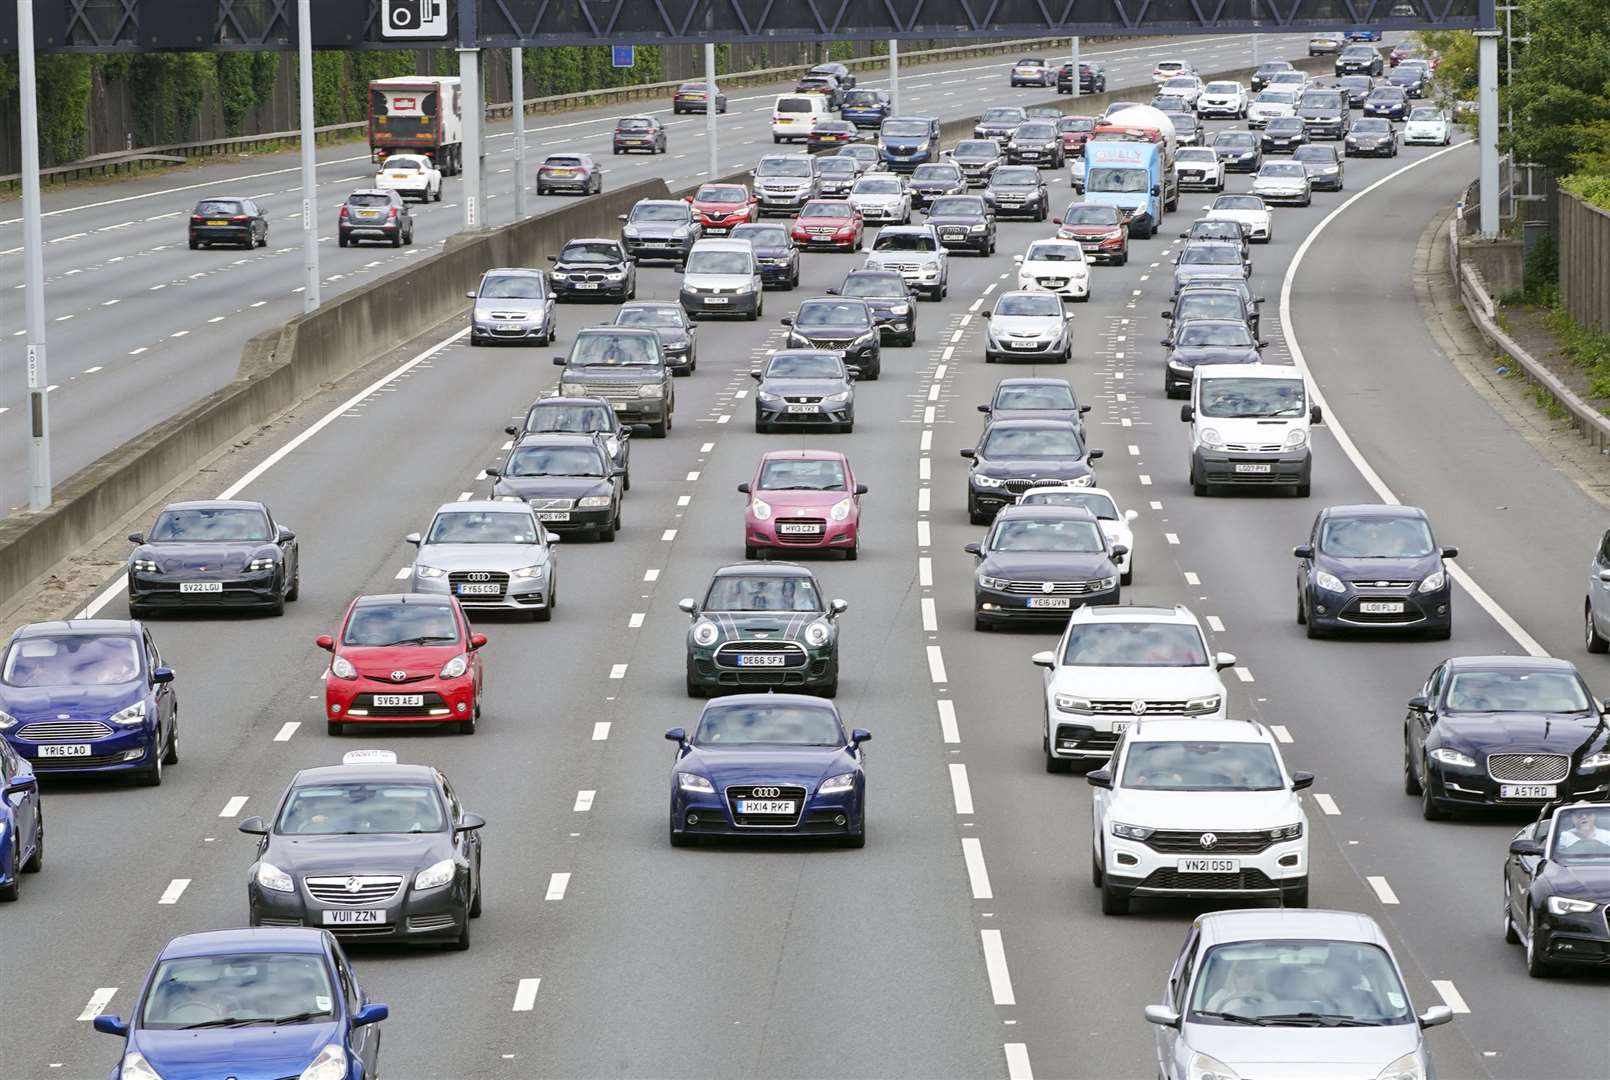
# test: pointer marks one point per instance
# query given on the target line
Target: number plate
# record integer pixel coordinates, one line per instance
(1050, 602)
(798, 528)
(1510, 791)
(804, 408)
(508, 327)
(586, 284)
(553, 515)
(760, 659)
(1257, 468)
(399, 701)
(64, 750)
(766, 806)
(355, 917)
(715, 299)
(1381, 607)
(480, 588)
(1025, 344)
(367, 214)
(201, 586)
(216, 221)
(1120, 726)
(1208, 866)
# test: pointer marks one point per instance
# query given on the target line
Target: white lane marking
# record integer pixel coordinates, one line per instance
(960, 789)
(635, 621)
(525, 995)
(692, 476)
(257, 303)
(175, 889)
(684, 500)
(1017, 1062)
(557, 884)
(977, 872)
(955, 337)
(1281, 734)
(1145, 480)
(233, 806)
(137, 352)
(976, 304)
(668, 535)
(990, 287)
(947, 722)
(1451, 996)
(402, 573)
(617, 671)
(936, 664)
(1215, 624)
(584, 800)
(98, 1001)
(286, 730)
(1503, 618)
(930, 618)
(928, 415)
(923, 498)
(651, 575)
(1327, 804)
(1000, 979)
(1134, 451)
(933, 392)
(740, 395)
(1383, 891)
(940, 372)
(92, 370)
(922, 534)
(924, 465)
(465, 496)
(179, 333)
(1192, 579)
(723, 418)
(1172, 538)
(1244, 674)
(707, 447)
(601, 731)
(949, 353)
(925, 572)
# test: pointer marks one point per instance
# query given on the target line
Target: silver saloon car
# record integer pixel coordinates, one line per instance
(515, 304)
(488, 554)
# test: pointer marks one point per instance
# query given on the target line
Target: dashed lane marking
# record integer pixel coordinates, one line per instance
(1327, 804)
(1244, 674)
(635, 621)
(936, 664)
(1451, 996)
(557, 884)
(977, 872)
(98, 1001)
(948, 729)
(584, 800)
(1383, 891)
(1215, 624)
(233, 806)
(286, 730)
(1281, 734)
(175, 889)
(617, 671)
(1000, 979)
(601, 731)
(1017, 1062)
(525, 995)
(961, 791)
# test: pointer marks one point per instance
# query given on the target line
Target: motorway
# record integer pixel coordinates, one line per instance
(605, 953)
(139, 326)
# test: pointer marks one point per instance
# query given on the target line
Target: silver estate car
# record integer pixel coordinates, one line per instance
(1289, 992)
(513, 303)
(488, 554)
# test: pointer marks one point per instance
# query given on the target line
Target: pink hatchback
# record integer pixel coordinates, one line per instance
(803, 499)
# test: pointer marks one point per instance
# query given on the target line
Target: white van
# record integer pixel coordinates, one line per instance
(1249, 425)
(794, 116)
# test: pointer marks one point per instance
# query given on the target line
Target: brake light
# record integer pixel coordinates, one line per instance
(392, 213)
(239, 217)
(343, 209)
(196, 217)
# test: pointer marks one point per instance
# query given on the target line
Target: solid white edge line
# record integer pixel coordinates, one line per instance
(525, 995)
(1017, 1062)
(1000, 979)
(977, 872)
(1339, 433)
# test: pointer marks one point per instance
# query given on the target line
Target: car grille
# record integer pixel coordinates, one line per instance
(825, 233)
(369, 890)
(793, 653)
(1253, 448)
(1173, 880)
(1411, 613)
(1189, 842)
(615, 395)
(775, 821)
(479, 577)
(812, 530)
(1378, 583)
(1081, 738)
(550, 504)
(1018, 486)
(65, 729)
(1125, 706)
(584, 275)
(1529, 768)
(1057, 588)
(802, 399)
(420, 924)
(387, 680)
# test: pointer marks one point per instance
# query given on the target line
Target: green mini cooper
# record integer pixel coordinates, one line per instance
(763, 625)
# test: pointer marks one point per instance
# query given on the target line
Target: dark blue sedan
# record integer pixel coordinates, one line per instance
(769, 764)
(250, 1003)
(22, 822)
(89, 696)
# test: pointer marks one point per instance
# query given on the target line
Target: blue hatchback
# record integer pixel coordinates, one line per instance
(22, 822)
(89, 696)
(252, 1005)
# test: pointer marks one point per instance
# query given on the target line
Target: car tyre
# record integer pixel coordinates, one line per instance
(1296, 898)
(475, 901)
(462, 942)
(467, 727)
(1411, 782)
(151, 776)
(1096, 875)
(1596, 642)
(1429, 810)
(659, 430)
(1511, 937)
(1536, 966)
(1113, 902)
(853, 552)
(334, 727)
(1054, 764)
(9, 893)
(855, 840)
(195, 244)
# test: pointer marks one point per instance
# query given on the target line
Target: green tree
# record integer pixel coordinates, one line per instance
(63, 87)
(1561, 84)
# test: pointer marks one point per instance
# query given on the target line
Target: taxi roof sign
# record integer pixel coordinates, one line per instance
(369, 757)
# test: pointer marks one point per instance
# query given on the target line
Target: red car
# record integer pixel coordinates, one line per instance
(828, 223)
(1098, 228)
(830, 134)
(803, 499)
(722, 207)
(403, 658)
(1075, 132)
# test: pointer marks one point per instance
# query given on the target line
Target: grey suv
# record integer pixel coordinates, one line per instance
(624, 365)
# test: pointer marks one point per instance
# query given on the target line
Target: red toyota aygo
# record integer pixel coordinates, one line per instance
(720, 208)
(803, 499)
(403, 658)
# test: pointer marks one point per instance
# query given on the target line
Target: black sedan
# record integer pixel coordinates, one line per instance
(368, 849)
(585, 415)
(1238, 151)
(1357, 88)
(1036, 398)
(1015, 455)
(1283, 134)
(678, 335)
(1359, 60)
(239, 222)
(214, 553)
(1018, 191)
(1214, 302)
(1205, 341)
(1260, 77)
(804, 388)
(929, 182)
(839, 71)
(1557, 889)
(893, 304)
(1373, 567)
(1036, 142)
(1092, 79)
(775, 252)
(963, 222)
(1389, 102)
(569, 480)
(841, 324)
(1411, 78)
(1037, 563)
(637, 133)
(1503, 731)
(1372, 136)
(593, 268)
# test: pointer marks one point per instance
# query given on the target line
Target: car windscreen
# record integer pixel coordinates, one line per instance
(1054, 251)
(838, 166)
(218, 525)
(380, 625)
(805, 366)
(957, 206)
(719, 262)
(784, 166)
(1002, 116)
(513, 287)
(1035, 131)
(1282, 168)
(1008, 178)
(1090, 215)
(1325, 154)
(660, 212)
(582, 419)
(1277, 97)
(862, 97)
(1238, 202)
(1422, 115)
(225, 990)
(665, 316)
(905, 129)
(838, 127)
(1322, 100)
(942, 174)
(600, 252)
(1034, 396)
(1140, 644)
(1118, 180)
(1184, 123)
(366, 199)
(1376, 536)
(794, 105)
(834, 210)
(883, 286)
(692, 88)
(360, 809)
(1297, 983)
(1388, 93)
(1041, 304)
(896, 241)
(877, 185)
(977, 150)
(554, 461)
(1224, 397)
(614, 350)
(1236, 140)
(1217, 88)
(1582, 835)
(768, 725)
(402, 164)
(482, 527)
(721, 193)
(634, 123)
(1229, 231)
(790, 474)
(1043, 442)
(1213, 254)
(219, 207)
(562, 161)
(762, 592)
(1284, 124)
(1202, 766)
(1208, 306)
(1200, 335)
(814, 313)
(762, 236)
(1048, 535)
(1516, 692)
(72, 660)
(1101, 507)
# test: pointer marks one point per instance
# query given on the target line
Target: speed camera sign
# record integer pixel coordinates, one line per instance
(413, 19)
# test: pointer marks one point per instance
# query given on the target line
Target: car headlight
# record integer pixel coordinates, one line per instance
(760, 508)
(616, 275)
(1070, 704)
(1129, 832)
(763, 395)
(7, 721)
(1407, 1067)
(1203, 1067)
(135, 1067)
(864, 340)
(1328, 581)
(818, 633)
(273, 878)
(900, 309)
(976, 228)
(1600, 760)
(746, 288)
(1287, 832)
(1211, 437)
(987, 481)
(694, 782)
(1082, 481)
(1433, 582)
(841, 782)
(1205, 704)
(456, 666)
(436, 875)
(1296, 439)
(652, 390)
(429, 571)
(629, 230)
(837, 399)
(994, 584)
(841, 509)
(533, 571)
(1453, 757)
(592, 502)
(133, 716)
(680, 232)
(705, 632)
(145, 566)
(1103, 584)
(1564, 905)
(342, 668)
(1178, 365)
(331, 1064)
(559, 275)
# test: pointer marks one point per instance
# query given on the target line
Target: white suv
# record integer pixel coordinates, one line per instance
(1198, 808)
(1114, 665)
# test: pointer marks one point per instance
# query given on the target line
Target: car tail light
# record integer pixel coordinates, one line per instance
(239, 217)
(343, 209)
(196, 217)
(392, 213)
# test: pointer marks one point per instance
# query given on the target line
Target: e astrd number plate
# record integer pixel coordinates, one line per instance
(1381, 607)
(760, 660)
(1050, 602)
(1510, 791)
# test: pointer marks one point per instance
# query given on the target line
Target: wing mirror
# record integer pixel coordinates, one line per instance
(558, 361)
(550, 536)
(861, 489)
(983, 314)
(743, 488)
(860, 735)
(1044, 659)
(469, 295)
(1526, 847)
(1119, 551)
(1187, 413)
(985, 409)
(253, 826)
(1303, 551)
(787, 320)
(1315, 416)
(678, 736)
(494, 472)
(1435, 1016)
(755, 375)
(107, 1024)
(511, 430)
(833, 292)
(689, 605)
(414, 539)
(470, 822)
(370, 1014)
(969, 453)
(1162, 1015)
(325, 642)
(1301, 781)
(1017, 258)
(1131, 515)
(162, 675)
(136, 538)
(1169, 315)
(973, 549)
(1099, 778)
(1418, 703)
(1083, 409)
(620, 217)
(837, 608)
(1223, 660)
(1095, 455)
(477, 641)
(1450, 553)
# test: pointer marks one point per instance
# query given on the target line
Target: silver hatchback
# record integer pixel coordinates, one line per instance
(488, 554)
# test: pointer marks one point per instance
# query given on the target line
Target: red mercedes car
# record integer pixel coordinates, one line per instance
(803, 499)
(403, 658)
(721, 208)
(828, 223)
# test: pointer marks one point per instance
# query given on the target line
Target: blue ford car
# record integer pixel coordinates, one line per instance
(253, 1005)
(89, 696)
(1374, 567)
(865, 108)
(22, 822)
(768, 764)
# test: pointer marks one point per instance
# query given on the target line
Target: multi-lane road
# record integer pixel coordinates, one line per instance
(603, 952)
(140, 326)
